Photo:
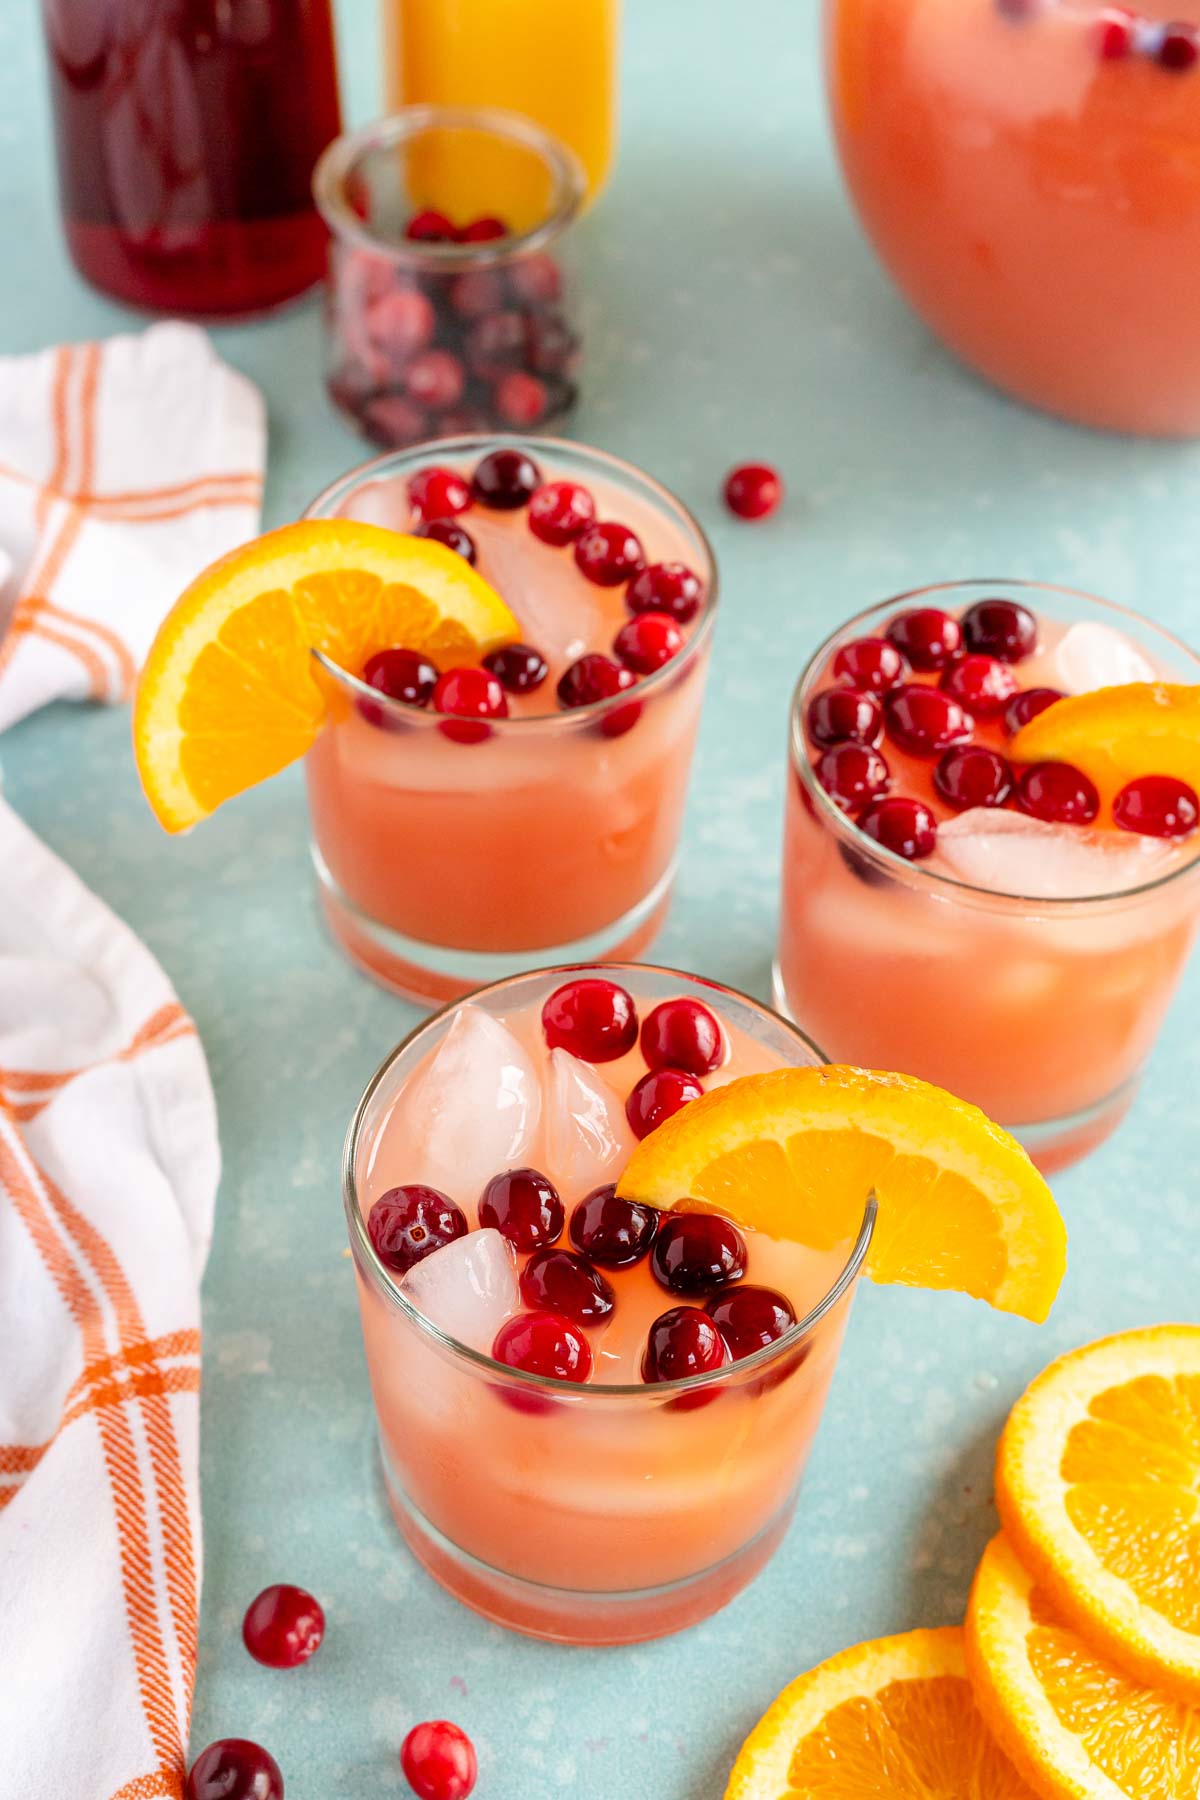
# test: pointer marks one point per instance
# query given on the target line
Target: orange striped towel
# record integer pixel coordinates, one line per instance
(108, 1169)
(125, 468)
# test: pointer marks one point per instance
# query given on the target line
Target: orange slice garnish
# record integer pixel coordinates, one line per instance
(1117, 733)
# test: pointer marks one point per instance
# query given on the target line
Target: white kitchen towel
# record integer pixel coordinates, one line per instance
(125, 468)
(108, 1171)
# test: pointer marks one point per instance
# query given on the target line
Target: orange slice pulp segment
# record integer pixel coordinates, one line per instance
(1117, 733)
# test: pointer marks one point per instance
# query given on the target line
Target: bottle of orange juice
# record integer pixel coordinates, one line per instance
(518, 56)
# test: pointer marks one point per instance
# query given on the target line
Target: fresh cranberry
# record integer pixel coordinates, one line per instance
(472, 695)
(752, 491)
(481, 231)
(871, 663)
(591, 1018)
(402, 675)
(1057, 793)
(407, 1224)
(844, 716)
(749, 1318)
(682, 1342)
(905, 827)
(477, 292)
(450, 533)
(666, 588)
(1157, 806)
(519, 668)
(394, 420)
(521, 399)
(1027, 705)
(562, 1282)
(924, 721)
(969, 775)
(430, 227)
(1000, 628)
(695, 1252)
(435, 379)
(400, 322)
(544, 1343)
(647, 642)
(437, 493)
(464, 421)
(608, 554)
(592, 679)
(926, 636)
(657, 1096)
(497, 344)
(559, 511)
(523, 1206)
(283, 1626)
(505, 480)
(1179, 49)
(537, 280)
(682, 1034)
(980, 683)
(234, 1769)
(610, 1231)
(438, 1761)
(553, 348)
(1116, 33)
(852, 774)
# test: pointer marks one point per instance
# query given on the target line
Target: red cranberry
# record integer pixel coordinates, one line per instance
(437, 493)
(234, 1769)
(1000, 628)
(695, 1252)
(657, 1096)
(1179, 49)
(749, 1318)
(472, 695)
(683, 1342)
(608, 554)
(1057, 793)
(844, 716)
(497, 344)
(402, 675)
(592, 679)
(407, 1224)
(400, 322)
(559, 511)
(591, 1018)
(647, 642)
(477, 292)
(544, 1343)
(969, 775)
(852, 774)
(1116, 30)
(1157, 806)
(666, 588)
(283, 1626)
(505, 480)
(1027, 705)
(871, 663)
(553, 348)
(521, 399)
(464, 421)
(683, 1034)
(519, 668)
(523, 1206)
(926, 636)
(560, 1281)
(924, 721)
(905, 827)
(980, 683)
(430, 227)
(610, 1231)
(752, 491)
(482, 231)
(438, 1761)
(537, 280)
(450, 533)
(435, 379)
(394, 420)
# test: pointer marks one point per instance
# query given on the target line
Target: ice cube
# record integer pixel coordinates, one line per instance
(587, 1136)
(468, 1288)
(557, 610)
(1015, 854)
(471, 1110)
(1093, 655)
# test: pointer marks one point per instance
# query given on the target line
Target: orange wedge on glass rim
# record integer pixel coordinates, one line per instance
(1117, 733)
(231, 692)
(796, 1153)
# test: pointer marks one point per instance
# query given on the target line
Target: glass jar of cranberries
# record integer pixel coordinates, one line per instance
(448, 308)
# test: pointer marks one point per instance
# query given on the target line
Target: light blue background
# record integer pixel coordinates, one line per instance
(734, 313)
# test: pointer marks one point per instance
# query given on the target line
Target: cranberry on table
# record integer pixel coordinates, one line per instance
(871, 663)
(234, 1769)
(519, 668)
(283, 1626)
(658, 1096)
(482, 230)
(1057, 793)
(430, 227)
(970, 775)
(844, 715)
(749, 1318)
(608, 553)
(983, 684)
(1027, 705)
(562, 1281)
(927, 637)
(523, 1206)
(438, 1761)
(669, 587)
(449, 532)
(1157, 806)
(904, 826)
(521, 399)
(752, 490)
(592, 1019)
(401, 674)
(470, 695)
(852, 774)
(925, 721)
(438, 493)
(696, 1252)
(613, 1232)
(648, 642)
(505, 480)
(682, 1034)
(559, 511)
(544, 1343)
(409, 1223)
(681, 1342)
(1000, 628)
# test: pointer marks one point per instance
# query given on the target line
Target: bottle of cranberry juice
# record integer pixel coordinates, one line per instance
(187, 131)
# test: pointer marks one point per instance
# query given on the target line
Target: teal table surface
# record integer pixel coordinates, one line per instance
(734, 313)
